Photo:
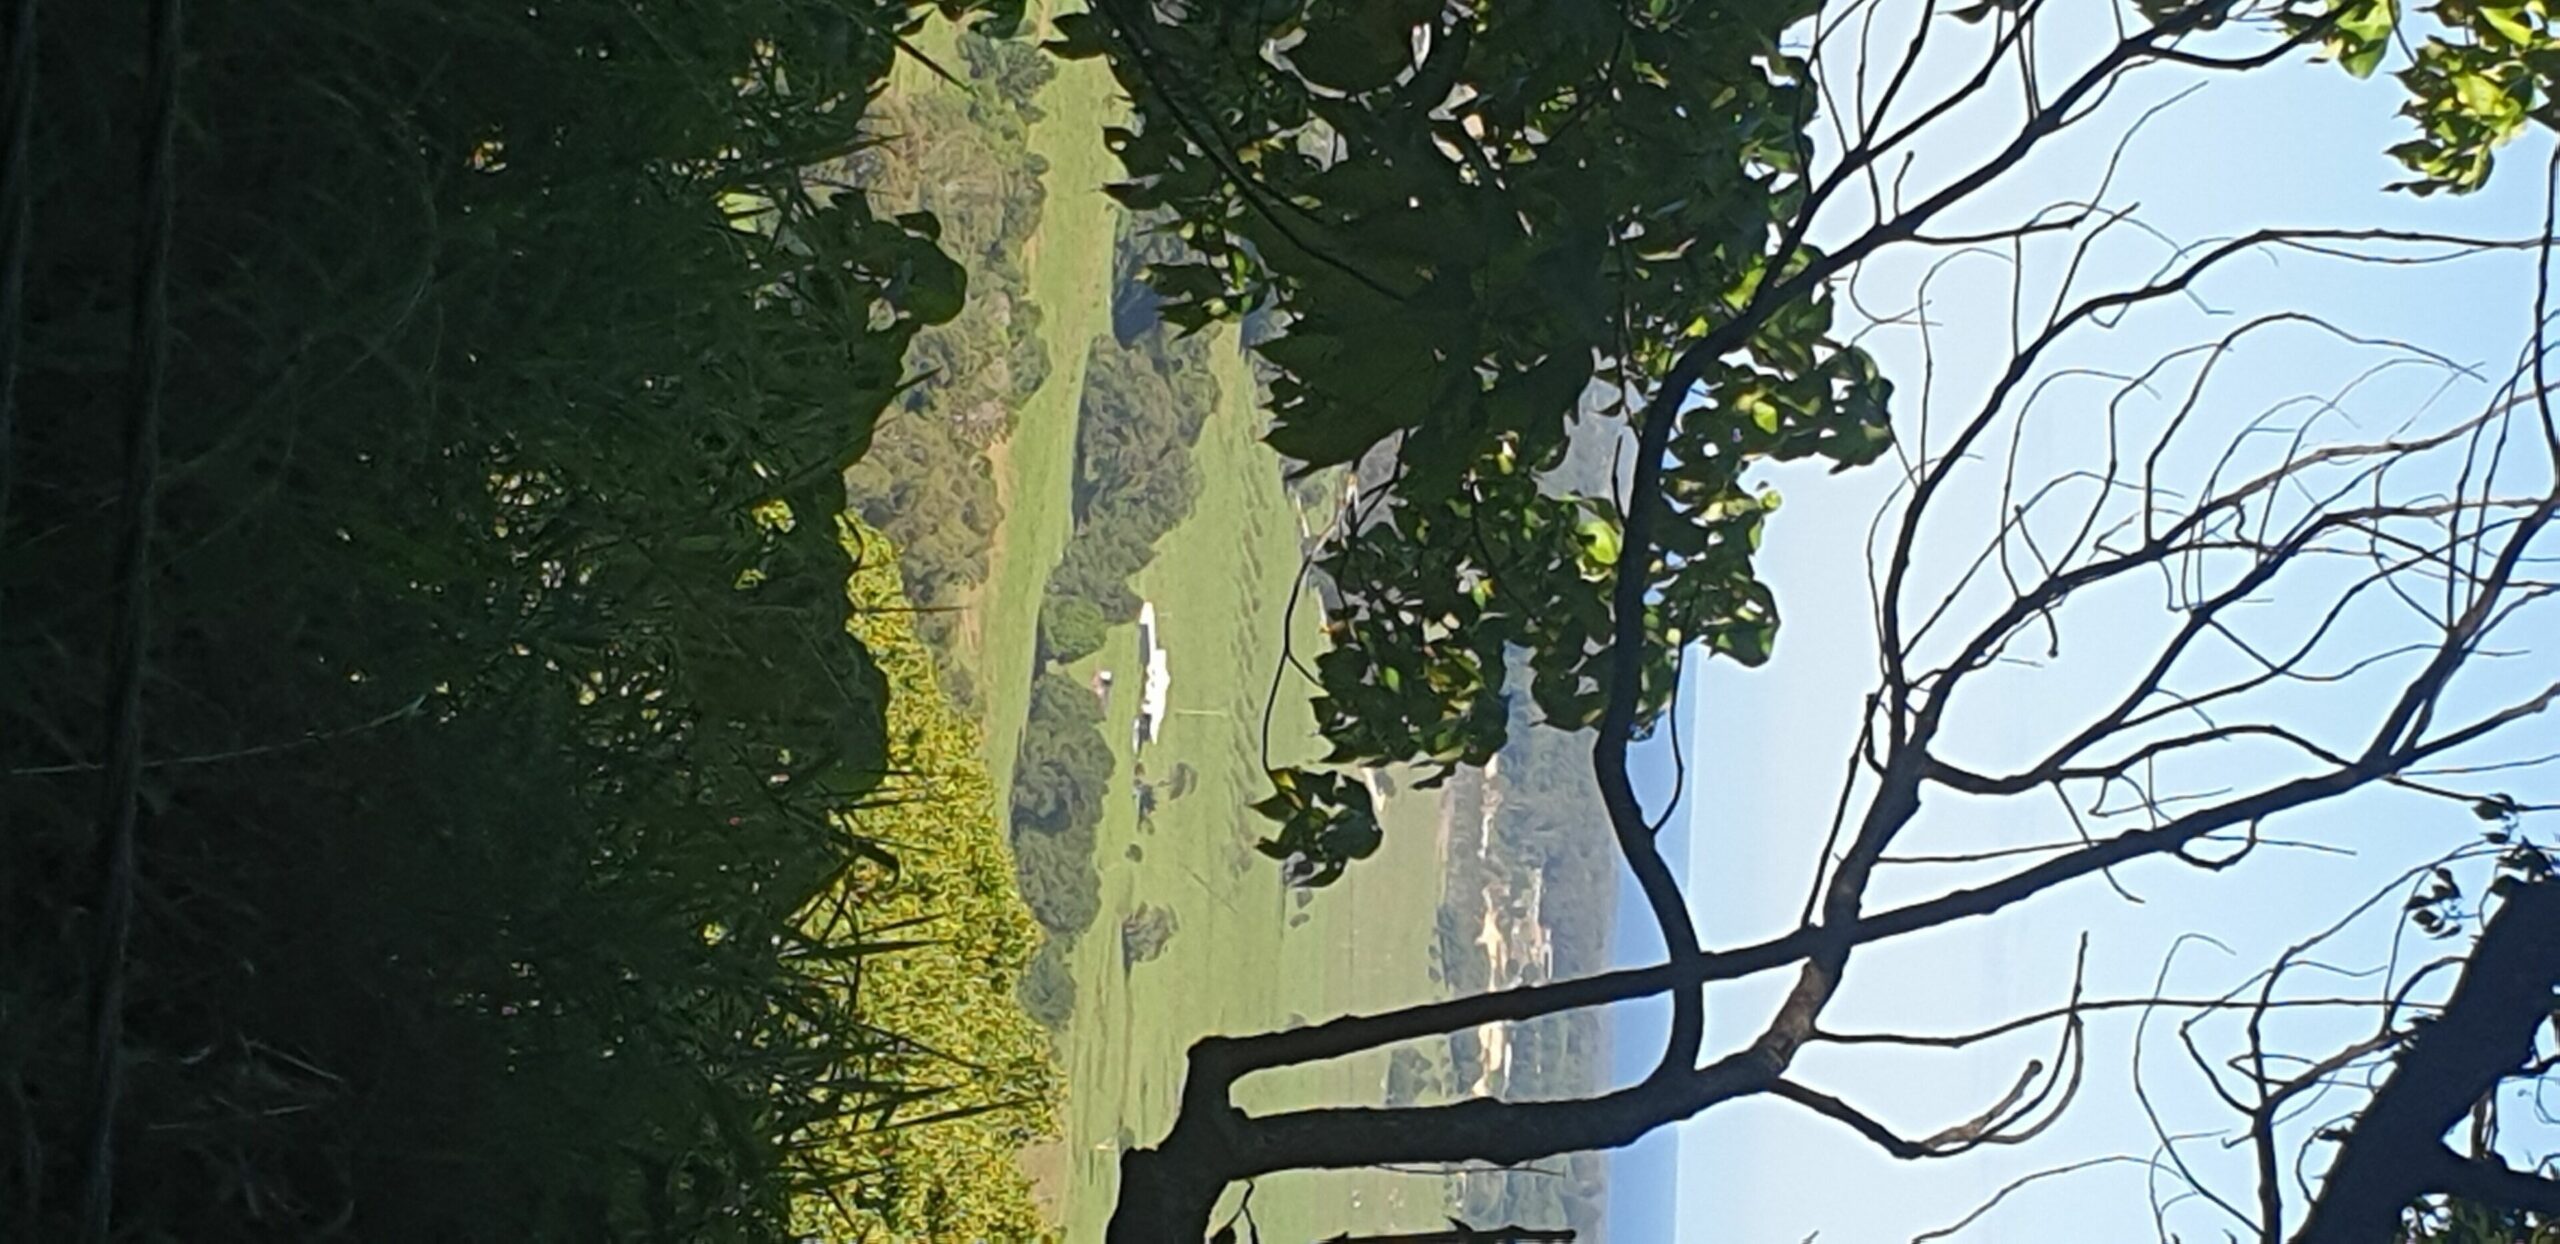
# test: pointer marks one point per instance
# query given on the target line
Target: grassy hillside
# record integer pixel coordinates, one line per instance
(984, 489)
(1220, 584)
(1069, 266)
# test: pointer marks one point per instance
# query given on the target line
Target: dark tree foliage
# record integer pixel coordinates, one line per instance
(927, 487)
(1064, 772)
(1058, 880)
(926, 482)
(1144, 405)
(1015, 69)
(1048, 989)
(496, 695)
(1145, 933)
(1066, 712)
(1061, 777)
(1071, 629)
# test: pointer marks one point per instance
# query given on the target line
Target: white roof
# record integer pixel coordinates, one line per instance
(1151, 696)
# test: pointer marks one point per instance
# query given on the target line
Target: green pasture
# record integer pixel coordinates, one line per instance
(1220, 584)
(1069, 266)
(1221, 587)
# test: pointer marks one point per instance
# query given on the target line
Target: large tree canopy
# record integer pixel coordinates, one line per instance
(1487, 223)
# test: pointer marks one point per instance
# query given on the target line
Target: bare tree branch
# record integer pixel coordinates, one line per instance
(2395, 1150)
(2348, 525)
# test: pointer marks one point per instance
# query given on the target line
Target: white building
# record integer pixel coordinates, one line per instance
(1159, 679)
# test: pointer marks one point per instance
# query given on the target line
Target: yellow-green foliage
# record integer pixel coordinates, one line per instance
(943, 1168)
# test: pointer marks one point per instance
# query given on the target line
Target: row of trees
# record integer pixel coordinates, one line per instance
(1061, 777)
(429, 726)
(963, 157)
(1144, 404)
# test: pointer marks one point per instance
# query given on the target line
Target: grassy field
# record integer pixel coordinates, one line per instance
(1220, 586)
(1069, 266)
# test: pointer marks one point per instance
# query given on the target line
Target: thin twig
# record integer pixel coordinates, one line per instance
(138, 512)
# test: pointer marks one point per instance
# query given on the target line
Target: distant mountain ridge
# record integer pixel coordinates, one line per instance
(1529, 896)
(1532, 894)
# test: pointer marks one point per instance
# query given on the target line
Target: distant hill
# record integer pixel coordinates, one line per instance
(1530, 895)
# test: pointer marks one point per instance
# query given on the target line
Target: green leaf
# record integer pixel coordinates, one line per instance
(1600, 541)
(2510, 23)
(1080, 36)
(2362, 59)
(2368, 20)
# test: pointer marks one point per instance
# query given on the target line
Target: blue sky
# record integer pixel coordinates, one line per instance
(2298, 145)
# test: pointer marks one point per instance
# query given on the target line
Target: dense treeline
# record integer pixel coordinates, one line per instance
(496, 702)
(1144, 403)
(1013, 69)
(1060, 779)
(1048, 988)
(966, 160)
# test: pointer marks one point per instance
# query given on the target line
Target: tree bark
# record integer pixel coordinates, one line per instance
(2395, 1151)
